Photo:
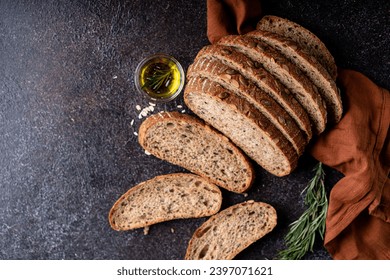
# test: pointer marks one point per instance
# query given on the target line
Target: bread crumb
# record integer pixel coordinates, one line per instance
(245, 194)
(135, 133)
(183, 111)
(146, 230)
(179, 106)
(172, 230)
(147, 153)
(132, 122)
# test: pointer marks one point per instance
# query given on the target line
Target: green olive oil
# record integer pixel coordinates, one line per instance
(160, 78)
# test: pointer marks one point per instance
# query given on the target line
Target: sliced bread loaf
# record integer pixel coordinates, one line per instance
(233, 80)
(305, 39)
(310, 66)
(239, 121)
(227, 233)
(287, 73)
(164, 198)
(254, 72)
(188, 142)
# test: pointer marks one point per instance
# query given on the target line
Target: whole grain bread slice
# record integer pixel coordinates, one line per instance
(164, 198)
(236, 83)
(288, 73)
(310, 66)
(254, 72)
(230, 231)
(239, 121)
(303, 37)
(187, 141)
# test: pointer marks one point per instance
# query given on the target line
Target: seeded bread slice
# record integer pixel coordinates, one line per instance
(229, 232)
(188, 142)
(287, 73)
(303, 37)
(253, 71)
(310, 66)
(164, 198)
(232, 80)
(246, 127)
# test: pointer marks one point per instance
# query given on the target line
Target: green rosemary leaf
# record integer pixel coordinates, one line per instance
(302, 233)
(159, 78)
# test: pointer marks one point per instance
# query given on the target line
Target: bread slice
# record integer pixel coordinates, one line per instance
(188, 142)
(310, 66)
(227, 233)
(164, 198)
(303, 37)
(253, 71)
(287, 73)
(239, 121)
(232, 80)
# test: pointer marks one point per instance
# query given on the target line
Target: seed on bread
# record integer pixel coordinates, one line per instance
(223, 95)
(231, 71)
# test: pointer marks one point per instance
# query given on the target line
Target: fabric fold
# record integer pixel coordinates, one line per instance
(358, 147)
(227, 17)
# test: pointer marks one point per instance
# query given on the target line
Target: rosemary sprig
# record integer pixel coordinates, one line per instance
(302, 232)
(160, 77)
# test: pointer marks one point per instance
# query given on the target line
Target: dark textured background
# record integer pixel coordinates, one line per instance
(67, 149)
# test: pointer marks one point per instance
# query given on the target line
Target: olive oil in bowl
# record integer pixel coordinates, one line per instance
(160, 77)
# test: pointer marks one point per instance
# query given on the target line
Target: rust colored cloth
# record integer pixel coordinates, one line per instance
(226, 17)
(358, 220)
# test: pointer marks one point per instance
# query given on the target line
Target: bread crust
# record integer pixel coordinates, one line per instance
(179, 117)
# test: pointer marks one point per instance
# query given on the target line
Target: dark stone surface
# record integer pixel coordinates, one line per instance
(67, 148)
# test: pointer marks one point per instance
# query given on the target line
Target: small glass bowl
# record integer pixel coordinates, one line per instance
(143, 80)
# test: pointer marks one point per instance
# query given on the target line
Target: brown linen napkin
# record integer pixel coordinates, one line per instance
(226, 17)
(358, 220)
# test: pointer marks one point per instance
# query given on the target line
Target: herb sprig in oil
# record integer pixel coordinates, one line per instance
(159, 76)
